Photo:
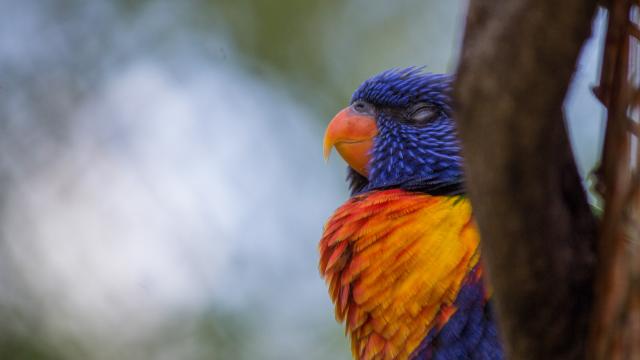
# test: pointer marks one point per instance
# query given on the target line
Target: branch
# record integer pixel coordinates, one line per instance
(615, 330)
(538, 233)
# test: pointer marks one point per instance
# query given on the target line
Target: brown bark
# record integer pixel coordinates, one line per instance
(538, 234)
(615, 327)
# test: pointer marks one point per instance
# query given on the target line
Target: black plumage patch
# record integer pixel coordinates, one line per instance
(356, 181)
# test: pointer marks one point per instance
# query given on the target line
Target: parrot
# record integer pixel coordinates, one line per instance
(401, 257)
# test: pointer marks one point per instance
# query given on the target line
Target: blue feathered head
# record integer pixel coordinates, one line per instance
(398, 132)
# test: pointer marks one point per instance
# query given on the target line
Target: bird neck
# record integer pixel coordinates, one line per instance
(404, 156)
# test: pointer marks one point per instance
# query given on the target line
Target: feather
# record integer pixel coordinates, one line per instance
(396, 261)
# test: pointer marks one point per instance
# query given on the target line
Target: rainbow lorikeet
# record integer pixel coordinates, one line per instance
(401, 257)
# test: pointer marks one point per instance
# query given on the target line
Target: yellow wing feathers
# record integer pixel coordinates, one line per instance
(394, 262)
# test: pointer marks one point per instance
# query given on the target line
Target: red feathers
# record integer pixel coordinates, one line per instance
(394, 262)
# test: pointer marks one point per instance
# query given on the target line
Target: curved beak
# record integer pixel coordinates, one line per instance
(352, 134)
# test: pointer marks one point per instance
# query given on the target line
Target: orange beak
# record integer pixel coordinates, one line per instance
(352, 134)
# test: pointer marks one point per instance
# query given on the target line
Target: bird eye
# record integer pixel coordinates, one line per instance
(422, 114)
(363, 107)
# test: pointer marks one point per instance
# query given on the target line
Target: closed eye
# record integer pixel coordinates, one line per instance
(422, 114)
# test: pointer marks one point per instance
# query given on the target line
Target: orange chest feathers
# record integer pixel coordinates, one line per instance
(394, 262)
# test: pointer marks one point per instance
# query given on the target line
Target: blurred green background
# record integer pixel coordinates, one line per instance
(162, 189)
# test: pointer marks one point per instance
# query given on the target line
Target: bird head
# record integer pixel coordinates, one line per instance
(398, 132)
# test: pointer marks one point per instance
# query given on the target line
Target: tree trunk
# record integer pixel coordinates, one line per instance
(538, 233)
(615, 326)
